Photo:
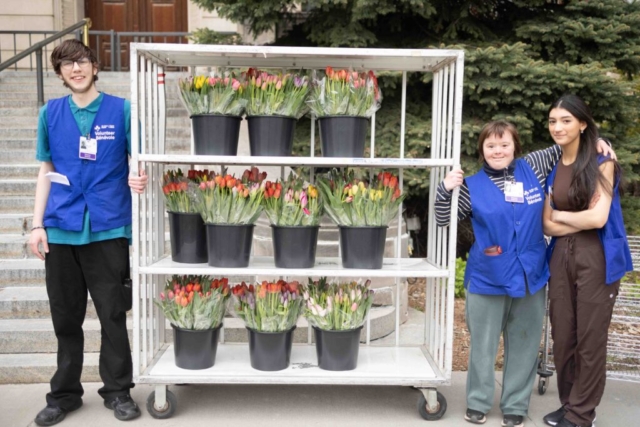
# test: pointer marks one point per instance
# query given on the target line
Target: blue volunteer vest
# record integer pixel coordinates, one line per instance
(516, 227)
(101, 184)
(613, 235)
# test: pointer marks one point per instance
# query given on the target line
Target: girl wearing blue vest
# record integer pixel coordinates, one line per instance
(81, 229)
(506, 269)
(589, 254)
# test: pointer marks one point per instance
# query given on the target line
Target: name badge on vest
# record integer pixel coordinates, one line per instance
(513, 192)
(88, 148)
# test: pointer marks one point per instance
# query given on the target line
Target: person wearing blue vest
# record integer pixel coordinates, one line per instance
(588, 255)
(82, 228)
(506, 268)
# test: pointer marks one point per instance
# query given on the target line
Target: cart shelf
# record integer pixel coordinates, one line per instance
(407, 366)
(264, 266)
(378, 162)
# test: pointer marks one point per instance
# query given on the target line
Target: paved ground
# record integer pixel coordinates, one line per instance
(283, 406)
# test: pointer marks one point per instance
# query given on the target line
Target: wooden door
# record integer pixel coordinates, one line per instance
(133, 16)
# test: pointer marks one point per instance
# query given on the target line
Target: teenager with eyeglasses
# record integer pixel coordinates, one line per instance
(82, 230)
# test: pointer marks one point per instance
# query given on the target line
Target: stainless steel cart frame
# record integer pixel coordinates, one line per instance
(423, 366)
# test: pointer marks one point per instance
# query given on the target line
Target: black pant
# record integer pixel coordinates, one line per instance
(101, 268)
(581, 305)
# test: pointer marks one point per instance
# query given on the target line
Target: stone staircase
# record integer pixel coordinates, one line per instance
(27, 342)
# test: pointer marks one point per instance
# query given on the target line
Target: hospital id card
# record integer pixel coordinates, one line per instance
(513, 192)
(88, 148)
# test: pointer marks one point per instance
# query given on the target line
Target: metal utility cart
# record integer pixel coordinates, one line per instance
(424, 366)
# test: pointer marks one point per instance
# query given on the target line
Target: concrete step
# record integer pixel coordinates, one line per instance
(11, 133)
(15, 223)
(8, 145)
(22, 273)
(39, 368)
(19, 156)
(13, 204)
(29, 302)
(19, 171)
(17, 187)
(14, 111)
(14, 246)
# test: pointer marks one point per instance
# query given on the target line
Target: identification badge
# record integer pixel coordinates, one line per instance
(88, 148)
(513, 192)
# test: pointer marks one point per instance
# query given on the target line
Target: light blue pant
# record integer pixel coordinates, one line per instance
(520, 320)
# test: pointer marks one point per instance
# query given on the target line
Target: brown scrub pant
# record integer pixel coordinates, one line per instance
(581, 305)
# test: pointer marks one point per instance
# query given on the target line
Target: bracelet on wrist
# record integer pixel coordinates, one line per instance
(37, 227)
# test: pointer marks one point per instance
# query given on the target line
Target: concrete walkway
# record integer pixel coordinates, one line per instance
(283, 406)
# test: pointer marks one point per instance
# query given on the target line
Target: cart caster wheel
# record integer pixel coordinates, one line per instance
(169, 406)
(542, 386)
(435, 415)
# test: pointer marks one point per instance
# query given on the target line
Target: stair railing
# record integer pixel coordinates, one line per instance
(36, 49)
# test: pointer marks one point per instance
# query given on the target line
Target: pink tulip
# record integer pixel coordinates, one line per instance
(203, 185)
(354, 306)
(258, 82)
(170, 295)
(235, 85)
(162, 296)
(279, 85)
(264, 86)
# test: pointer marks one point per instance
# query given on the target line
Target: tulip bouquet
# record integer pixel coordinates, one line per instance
(292, 202)
(268, 307)
(276, 94)
(225, 199)
(213, 95)
(350, 201)
(345, 92)
(337, 306)
(179, 191)
(194, 302)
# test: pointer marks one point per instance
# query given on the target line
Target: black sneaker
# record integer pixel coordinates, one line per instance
(475, 417)
(512, 421)
(52, 414)
(124, 408)
(555, 417)
(566, 423)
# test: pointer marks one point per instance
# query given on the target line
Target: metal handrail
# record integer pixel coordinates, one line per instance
(37, 49)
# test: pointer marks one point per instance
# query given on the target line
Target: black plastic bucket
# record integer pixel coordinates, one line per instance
(271, 135)
(229, 245)
(216, 135)
(362, 247)
(337, 350)
(294, 247)
(270, 351)
(188, 238)
(343, 136)
(195, 349)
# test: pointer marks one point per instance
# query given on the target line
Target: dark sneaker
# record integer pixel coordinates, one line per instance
(52, 415)
(475, 417)
(554, 417)
(124, 408)
(512, 421)
(566, 423)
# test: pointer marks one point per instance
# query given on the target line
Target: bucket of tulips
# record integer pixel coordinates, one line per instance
(215, 105)
(229, 207)
(337, 313)
(362, 211)
(186, 228)
(344, 101)
(195, 307)
(275, 102)
(294, 209)
(270, 311)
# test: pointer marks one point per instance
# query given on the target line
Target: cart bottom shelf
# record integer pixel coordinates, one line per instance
(405, 366)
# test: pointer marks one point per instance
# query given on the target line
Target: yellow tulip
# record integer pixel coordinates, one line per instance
(198, 82)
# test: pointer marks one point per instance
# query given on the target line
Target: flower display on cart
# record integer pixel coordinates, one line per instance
(269, 306)
(194, 302)
(180, 191)
(345, 93)
(292, 202)
(225, 199)
(224, 95)
(337, 306)
(351, 201)
(278, 94)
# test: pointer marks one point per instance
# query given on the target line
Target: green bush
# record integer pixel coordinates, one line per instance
(461, 266)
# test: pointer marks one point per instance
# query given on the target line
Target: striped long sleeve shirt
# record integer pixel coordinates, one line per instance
(541, 161)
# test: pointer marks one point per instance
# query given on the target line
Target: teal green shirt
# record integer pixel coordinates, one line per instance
(84, 118)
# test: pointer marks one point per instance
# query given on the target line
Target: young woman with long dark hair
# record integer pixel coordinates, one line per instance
(589, 254)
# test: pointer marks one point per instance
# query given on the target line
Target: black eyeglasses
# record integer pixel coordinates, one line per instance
(67, 64)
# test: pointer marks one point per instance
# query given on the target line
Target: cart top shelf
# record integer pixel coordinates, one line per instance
(296, 57)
